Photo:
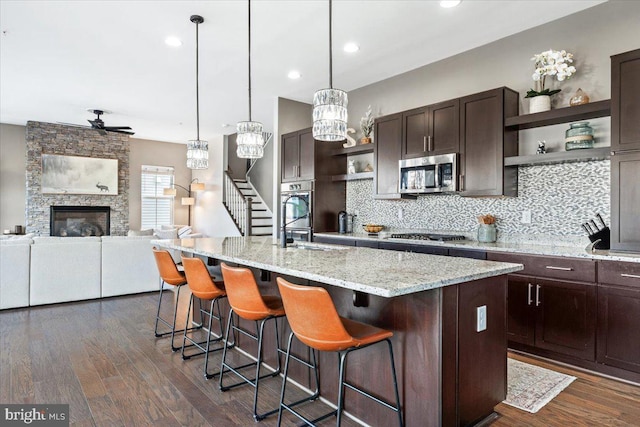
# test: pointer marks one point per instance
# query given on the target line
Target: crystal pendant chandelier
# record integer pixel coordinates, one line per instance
(330, 105)
(250, 140)
(197, 150)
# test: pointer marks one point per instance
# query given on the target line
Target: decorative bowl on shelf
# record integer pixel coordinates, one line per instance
(372, 228)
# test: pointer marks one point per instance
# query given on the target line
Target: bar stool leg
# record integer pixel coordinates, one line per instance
(158, 312)
(395, 382)
(342, 357)
(175, 316)
(186, 325)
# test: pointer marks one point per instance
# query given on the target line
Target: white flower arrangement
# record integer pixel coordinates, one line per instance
(366, 123)
(551, 63)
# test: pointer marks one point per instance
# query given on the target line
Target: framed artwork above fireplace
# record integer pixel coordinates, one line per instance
(79, 175)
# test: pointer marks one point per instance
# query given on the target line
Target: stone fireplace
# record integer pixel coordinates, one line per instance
(48, 138)
(79, 221)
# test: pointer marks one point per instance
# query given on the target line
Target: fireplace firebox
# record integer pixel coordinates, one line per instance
(80, 221)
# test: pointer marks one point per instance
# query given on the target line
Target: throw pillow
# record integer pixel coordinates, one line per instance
(166, 234)
(184, 231)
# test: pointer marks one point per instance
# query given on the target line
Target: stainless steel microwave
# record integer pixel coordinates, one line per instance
(433, 174)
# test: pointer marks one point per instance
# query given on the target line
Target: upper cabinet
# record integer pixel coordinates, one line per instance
(485, 142)
(431, 130)
(625, 147)
(388, 147)
(625, 105)
(298, 156)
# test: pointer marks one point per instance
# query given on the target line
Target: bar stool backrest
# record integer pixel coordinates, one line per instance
(313, 317)
(199, 280)
(167, 268)
(243, 293)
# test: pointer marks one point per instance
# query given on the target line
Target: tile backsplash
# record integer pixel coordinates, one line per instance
(560, 197)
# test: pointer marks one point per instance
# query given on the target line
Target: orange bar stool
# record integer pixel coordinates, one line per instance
(170, 275)
(203, 287)
(315, 322)
(246, 302)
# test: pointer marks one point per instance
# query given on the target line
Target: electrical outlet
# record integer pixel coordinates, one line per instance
(400, 213)
(526, 217)
(481, 315)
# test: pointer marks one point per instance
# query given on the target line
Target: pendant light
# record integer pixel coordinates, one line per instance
(197, 150)
(330, 105)
(250, 139)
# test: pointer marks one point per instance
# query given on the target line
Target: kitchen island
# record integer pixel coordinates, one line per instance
(449, 372)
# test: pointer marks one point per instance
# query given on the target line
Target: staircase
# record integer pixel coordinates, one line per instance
(247, 209)
(261, 216)
(250, 214)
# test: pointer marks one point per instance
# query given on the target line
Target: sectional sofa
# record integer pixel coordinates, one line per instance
(46, 270)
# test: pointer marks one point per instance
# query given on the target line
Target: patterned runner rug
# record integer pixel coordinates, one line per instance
(530, 387)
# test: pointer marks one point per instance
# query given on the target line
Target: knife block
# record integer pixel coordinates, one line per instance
(604, 236)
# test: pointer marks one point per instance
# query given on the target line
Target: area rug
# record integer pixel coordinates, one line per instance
(530, 387)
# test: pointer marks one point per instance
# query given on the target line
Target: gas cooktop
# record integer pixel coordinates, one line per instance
(427, 236)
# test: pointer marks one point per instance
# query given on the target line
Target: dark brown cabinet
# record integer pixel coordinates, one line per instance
(619, 315)
(298, 156)
(566, 318)
(388, 134)
(485, 142)
(553, 315)
(431, 130)
(625, 146)
(552, 304)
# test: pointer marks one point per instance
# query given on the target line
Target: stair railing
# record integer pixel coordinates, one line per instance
(237, 204)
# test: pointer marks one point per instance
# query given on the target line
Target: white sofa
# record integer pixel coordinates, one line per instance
(65, 269)
(47, 270)
(14, 272)
(128, 265)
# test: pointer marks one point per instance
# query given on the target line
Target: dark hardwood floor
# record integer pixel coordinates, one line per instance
(101, 357)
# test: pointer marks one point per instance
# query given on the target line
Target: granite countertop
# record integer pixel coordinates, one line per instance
(382, 273)
(512, 247)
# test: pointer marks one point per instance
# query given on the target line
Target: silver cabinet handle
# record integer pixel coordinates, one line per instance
(461, 182)
(550, 267)
(424, 143)
(632, 276)
(537, 295)
(529, 300)
(429, 146)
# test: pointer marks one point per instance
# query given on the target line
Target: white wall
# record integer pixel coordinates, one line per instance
(12, 176)
(209, 214)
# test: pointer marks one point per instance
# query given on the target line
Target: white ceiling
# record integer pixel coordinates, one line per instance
(58, 58)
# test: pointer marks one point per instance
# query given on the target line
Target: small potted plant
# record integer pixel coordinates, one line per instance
(366, 125)
(548, 63)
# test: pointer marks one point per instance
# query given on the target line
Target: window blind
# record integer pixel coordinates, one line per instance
(157, 209)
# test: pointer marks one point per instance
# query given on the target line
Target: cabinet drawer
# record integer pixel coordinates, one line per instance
(619, 273)
(553, 267)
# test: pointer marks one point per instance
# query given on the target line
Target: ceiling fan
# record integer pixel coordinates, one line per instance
(98, 124)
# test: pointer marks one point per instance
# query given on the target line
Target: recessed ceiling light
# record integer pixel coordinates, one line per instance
(351, 47)
(173, 41)
(294, 75)
(225, 125)
(449, 3)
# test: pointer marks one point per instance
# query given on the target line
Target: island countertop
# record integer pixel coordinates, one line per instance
(373, 271)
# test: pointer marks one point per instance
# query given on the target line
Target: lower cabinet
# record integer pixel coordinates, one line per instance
(554, 315)
(619, 315)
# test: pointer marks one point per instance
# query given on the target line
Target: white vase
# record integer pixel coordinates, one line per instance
(539, 103)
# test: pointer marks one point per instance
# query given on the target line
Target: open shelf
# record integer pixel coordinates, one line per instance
(560, 115)
(352, 176)
(357, 149)
(584, 155)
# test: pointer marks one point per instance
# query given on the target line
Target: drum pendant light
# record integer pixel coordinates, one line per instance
(197, 150)
(330, 105)
(250, 139)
